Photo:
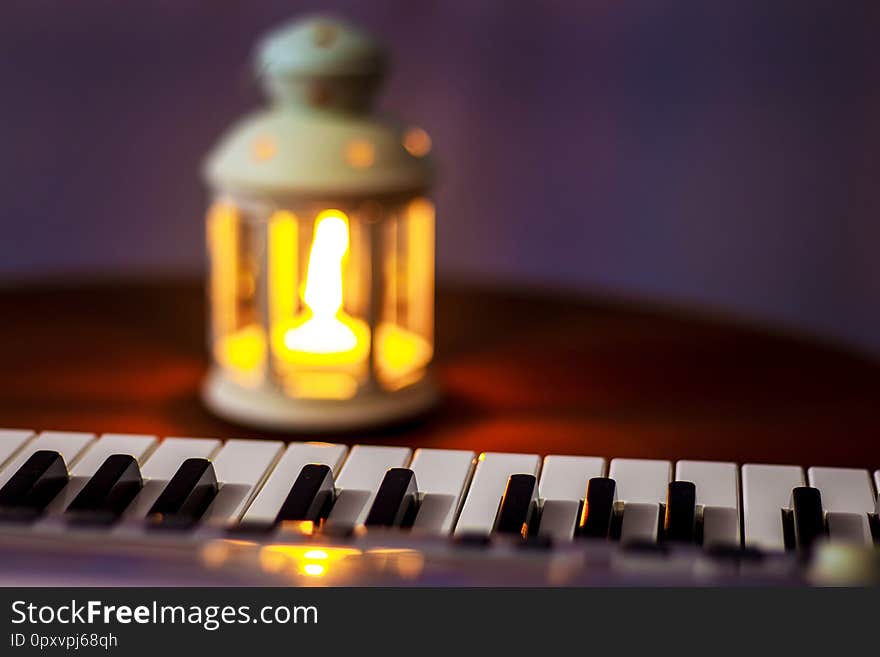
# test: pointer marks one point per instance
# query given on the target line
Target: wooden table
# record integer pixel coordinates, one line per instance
(521, 372)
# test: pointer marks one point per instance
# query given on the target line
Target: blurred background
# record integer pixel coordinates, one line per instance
(721, 155)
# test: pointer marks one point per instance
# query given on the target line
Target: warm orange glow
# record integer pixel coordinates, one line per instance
(264, 148)
(360, 153)
(282, 264)
(303, 559)
(417, 142)
(314, 569)
(223, 251)
(242, 351)
(400, 351)
(303, 527)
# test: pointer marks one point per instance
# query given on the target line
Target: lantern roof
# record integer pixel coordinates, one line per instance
(319, 136)
(320, 45)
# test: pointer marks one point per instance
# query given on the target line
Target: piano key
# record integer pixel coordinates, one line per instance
(641, 486)
(359, 480)
(272, 495)
(487, 487)
(311, 495)
(843, 489)
(641, 523)
(598, 509)
(717, 482)
(848, 498)
(93, 457)
(877, 481)
(108, 492)
(717, 488)
(240, 466)
(186, 497)
(518, 505)
(561, 488)
(32, 486)
(96, 454)
(12, 440)
(566, 477)
(246, 461)
(559, 520)
(640, 480)
(395, 499)
(160, 466)
(679, 521)
(853, 528)
(720, 526)
(68, 444)
(172, 452)
(766, 490)
(442, 476)
(808, 517)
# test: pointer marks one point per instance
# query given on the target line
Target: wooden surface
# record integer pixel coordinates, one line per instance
(520, 373)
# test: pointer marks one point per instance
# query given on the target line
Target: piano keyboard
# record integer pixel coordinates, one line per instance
(705, 517)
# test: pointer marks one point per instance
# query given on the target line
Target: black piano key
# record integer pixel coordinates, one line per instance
(518, 505)
(36, 483)
(395, 500)
(808, 518)
(598, 509)
(311, 495)
(679, 521)
(186, 497)
(108, 492)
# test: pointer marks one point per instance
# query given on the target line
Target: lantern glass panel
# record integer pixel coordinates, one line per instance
(235, 247)
(405, 332)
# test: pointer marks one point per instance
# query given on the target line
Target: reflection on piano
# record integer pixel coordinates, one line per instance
(130, 509)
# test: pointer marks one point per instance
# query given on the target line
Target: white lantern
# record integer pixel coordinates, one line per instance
(321, 245)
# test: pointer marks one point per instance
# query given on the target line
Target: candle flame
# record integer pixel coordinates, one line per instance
(328, 329)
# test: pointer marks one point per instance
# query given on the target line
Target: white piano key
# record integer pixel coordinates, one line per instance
(442, 476)
(69, 444)
(12, 440)
(245, 461)
(844, 527)
(843, 489)
(641, 480)
(562, 486)
(717, 485)
(641, 522)
(847, 499)
(566, 477)
(240, 466)
(559, 519)
(717, 482)
(641, 487)
(490, 478)
(172, 452)
(107, 445)
(360, 478)
(766, 490)
(720, 526)
(93, 457)
(161, 465)
(274, 491)
(877, 481)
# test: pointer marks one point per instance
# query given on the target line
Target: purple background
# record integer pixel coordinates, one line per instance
(722, 154)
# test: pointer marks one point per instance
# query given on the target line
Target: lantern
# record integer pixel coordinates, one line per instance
(320, 241)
